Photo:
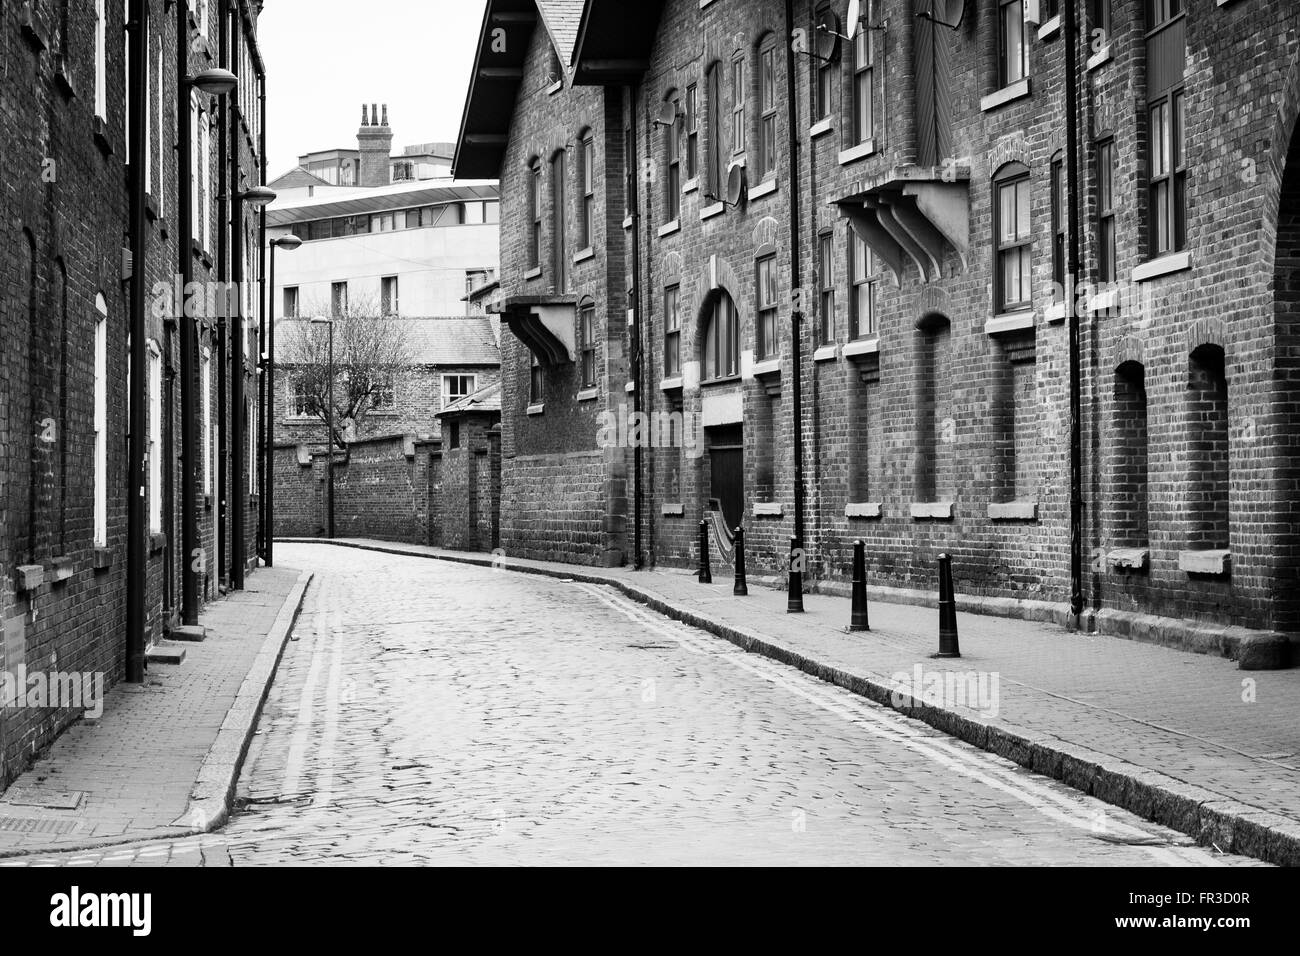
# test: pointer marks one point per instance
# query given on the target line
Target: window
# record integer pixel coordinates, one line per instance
(148, 113)
(1012, 49)
(301, 403)
(338, 299)
(101, 64)
(1168, 176)
(1128, 496)
(205, 385)
(101, 421)
(1106, 211)
(1208, 453)
(722, 338)
(588, 191)
(1011, 238)
(934, 464)
(454, 435)
(250, 426)
(862, 288)
(863, 86)
(558, 220)
(587, 343)
(388, 295)
(163, 128)
(290, 302)
(155, 438)
(536, 382)
(456, 387)
(535, 214)
(202, 212)
(1058, 228)
(475, 278)
(384, 397)
(713, 144)
(673, 181)
(692, 132)
(738, 105)
(767, 103)
(826, 275)
(825, 78)
(766, 298)
(1100, 18)
(672, 331)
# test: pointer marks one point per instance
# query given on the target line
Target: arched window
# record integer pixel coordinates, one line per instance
(935, 475)
(1011, 238)
(1058, 227)
(559, 219)
(721, 337)
(765, 296)
(1106, 209)
(1129, 454)
(713, 131)
(535, 213)
(863, 83)
(588, 171)
(672, 331)
(739, 95)
(1207, 450)
(673, 157)
(767, 107)
(587, 342)
(826, 284)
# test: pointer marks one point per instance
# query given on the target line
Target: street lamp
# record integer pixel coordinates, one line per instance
(257, 195)
(329, 429)
(288, 243)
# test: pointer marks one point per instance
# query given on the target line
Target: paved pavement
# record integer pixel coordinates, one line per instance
(431, 712)
(139, 764)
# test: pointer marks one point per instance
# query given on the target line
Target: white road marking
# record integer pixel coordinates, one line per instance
(298, 745)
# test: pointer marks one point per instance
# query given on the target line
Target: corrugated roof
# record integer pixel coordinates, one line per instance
(485, 399)
(441, 340)
(377, 200)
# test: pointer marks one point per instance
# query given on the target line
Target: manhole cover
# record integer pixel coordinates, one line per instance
(50, 799)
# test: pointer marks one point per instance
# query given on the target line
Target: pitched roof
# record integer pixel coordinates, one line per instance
(614, 40)
(561, 18)
(297, 178)
(450, 340)
(485, 399)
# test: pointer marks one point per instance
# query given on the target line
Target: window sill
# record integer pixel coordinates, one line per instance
(1098, 58)
(1133, 559)
(102, 559)
(29, 577)
(691, 185)
(1104, 301)
(867, 346)
(588, 394)
(863, 509)
(629, 387)
(671, 384)
(207, 501)
(1165, 265)
(1010, 322)
(1050, 28)
(672, 509)
(534, 273)
(99, 129)
(705, 3)
(725, 380)
(1013, 511)
(933, 510)
(765, 188)
(668, 228)
(1008, 94)
(768, 366)
(1055, 313)
(827, 353)
(1215, 563)
(627, 222)
(555, 88)
(769, 509)
(536, 409)
(820, 128)
(583, 255)
(717, 209)
(157, 541)
(854, 153)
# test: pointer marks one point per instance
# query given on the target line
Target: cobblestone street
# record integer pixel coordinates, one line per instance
(428, 712)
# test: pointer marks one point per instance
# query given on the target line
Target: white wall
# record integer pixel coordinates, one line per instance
(430, 264)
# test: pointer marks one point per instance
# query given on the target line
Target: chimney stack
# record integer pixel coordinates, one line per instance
(375, 143)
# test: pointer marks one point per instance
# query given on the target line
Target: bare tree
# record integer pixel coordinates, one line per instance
(370, 348)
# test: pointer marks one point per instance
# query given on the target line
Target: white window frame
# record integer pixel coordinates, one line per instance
(206, 380)
(473, 386)
(101, 422)
(101, 61)
(155, 437)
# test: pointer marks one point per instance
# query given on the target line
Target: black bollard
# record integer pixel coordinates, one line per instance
(858, 621)
(741, 587)
(947, 610)
(794, 600)
(706, 577)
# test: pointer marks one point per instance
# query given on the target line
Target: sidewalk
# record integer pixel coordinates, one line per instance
(1184, 739)
(163, 758)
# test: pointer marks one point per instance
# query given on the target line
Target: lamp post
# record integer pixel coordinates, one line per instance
(213, 82)
(329, 430)
(288, 243)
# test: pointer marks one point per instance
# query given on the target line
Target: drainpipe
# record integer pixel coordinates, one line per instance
(264, 425)
(237, 278)
(634, 297)
(1069, 38)
(223, 276)
(136, 580)
(191, 547)
(796, 312)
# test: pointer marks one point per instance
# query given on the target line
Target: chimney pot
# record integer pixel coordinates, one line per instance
(374, 114)
(363, 115)
(385, 120)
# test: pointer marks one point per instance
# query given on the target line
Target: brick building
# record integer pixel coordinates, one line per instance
(684, 182)
(67, 304)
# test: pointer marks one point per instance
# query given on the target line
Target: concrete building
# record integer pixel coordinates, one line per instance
(67, 304)
(713, 207)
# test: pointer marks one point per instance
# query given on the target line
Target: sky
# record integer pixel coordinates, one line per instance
(324, 58)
